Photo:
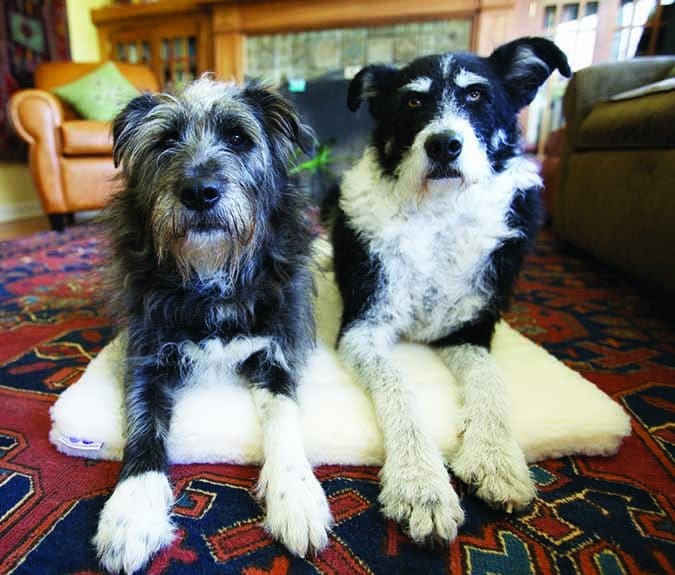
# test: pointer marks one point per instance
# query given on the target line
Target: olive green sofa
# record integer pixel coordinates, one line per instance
(616, 189)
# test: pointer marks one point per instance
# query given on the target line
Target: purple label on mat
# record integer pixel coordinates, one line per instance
(83, 444)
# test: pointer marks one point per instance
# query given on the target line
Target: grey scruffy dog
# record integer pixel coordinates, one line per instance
(210, 248)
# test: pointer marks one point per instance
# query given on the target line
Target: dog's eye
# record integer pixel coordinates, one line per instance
(474, 94)
(236, 139)
(414, 102)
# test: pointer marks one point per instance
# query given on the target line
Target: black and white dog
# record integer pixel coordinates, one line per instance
(210, 248)
(432, 226)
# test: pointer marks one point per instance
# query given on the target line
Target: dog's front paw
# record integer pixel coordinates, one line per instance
(135, 522)
(421, 498)
(497, 470)
(297, 511)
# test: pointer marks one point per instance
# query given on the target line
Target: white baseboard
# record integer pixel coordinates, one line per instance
(13, 212)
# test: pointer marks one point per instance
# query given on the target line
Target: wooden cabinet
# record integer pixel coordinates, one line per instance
(173, 38)
(181, 39)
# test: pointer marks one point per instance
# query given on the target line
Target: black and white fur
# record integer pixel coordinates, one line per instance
(432, 226)
(210, 247)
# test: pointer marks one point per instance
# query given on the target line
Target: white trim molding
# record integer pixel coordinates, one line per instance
(21, 211)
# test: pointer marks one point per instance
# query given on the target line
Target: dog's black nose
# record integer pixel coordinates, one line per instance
(200, 194)
(444, 147)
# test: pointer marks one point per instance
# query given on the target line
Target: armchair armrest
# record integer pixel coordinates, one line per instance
(34, 113)
(37, 116)
(600, 82)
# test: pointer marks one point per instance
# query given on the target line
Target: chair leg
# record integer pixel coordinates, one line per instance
(58, 222)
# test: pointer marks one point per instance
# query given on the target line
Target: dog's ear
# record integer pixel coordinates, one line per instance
(280, 116)
(525, 64)
(370, 82)
(127, 122)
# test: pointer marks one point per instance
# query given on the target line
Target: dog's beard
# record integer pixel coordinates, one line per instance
(211, 245)
(420, 178)
(213, 255)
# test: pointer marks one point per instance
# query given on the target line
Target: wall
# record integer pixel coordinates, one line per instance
(83, 39)
(17, 195)
(18, 198)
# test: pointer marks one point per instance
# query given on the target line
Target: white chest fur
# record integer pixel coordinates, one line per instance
(214, 357)
(434, 244)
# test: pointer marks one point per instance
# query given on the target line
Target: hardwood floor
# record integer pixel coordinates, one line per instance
(9, 230)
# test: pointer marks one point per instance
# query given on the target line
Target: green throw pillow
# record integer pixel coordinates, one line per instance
(100, 94)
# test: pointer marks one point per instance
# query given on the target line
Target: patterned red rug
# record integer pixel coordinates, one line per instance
(592, 515)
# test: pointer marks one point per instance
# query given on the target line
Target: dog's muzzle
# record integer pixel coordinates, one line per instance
(200, 194)
(443, 150)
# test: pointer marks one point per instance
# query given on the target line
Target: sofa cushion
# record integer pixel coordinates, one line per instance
(644, 122)
(86, 138)
(100, 94)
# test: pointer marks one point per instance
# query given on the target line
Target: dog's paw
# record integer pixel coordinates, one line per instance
(497, 470)
(135, 522)
(297, 511)
(421, 498)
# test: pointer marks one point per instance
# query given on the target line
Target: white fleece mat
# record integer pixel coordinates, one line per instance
(555, 412)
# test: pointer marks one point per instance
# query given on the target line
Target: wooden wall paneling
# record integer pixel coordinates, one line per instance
(493, 28)
(224, 24)
(229, 51)
(270, 16)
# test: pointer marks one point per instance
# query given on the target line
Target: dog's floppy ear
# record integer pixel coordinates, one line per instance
(127, 122)
(525, 64)
(369, 83)
(280, 116)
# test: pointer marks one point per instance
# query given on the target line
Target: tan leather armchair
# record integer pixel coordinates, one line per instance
(70, 158)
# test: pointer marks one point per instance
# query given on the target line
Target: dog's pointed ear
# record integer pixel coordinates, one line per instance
(280, 116)
(525, 64)
(369, 83)
(127, 122)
